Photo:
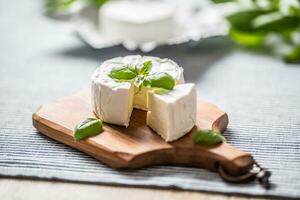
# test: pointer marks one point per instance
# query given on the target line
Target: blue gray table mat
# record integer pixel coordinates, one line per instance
(42, 60)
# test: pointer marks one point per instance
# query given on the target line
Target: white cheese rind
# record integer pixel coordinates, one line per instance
(136, 21)
(173, 114)
(112, 102)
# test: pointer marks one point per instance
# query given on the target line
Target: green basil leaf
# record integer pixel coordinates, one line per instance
(58, 5)
(243, 20)
(293, 55)
(160, 80)
(248, 39)
(275, 22)
(208, 137)
(294, 10)
(123, 73)
(62, 5)
(146, 68)
(222, 1)
(88, 128)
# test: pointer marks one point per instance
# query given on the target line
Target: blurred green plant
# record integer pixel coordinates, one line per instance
(54, 6)
(272, 24)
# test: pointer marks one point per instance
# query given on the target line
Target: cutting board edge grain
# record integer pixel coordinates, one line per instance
(181, 152)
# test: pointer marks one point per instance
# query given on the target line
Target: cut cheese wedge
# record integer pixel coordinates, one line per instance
(112, 101)
(173, 114)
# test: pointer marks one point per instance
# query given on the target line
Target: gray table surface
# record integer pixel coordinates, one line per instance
(41, 59)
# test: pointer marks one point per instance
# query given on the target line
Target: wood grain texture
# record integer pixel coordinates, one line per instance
(138, 146)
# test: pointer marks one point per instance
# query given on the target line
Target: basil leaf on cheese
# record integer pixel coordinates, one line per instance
(146, 68)
(123, 73)
(88, 128)
(208, 137)
(160, 80)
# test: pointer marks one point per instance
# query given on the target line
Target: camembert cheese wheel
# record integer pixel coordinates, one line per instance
(171, 114)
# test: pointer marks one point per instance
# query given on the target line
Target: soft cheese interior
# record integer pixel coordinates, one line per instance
(173, 114)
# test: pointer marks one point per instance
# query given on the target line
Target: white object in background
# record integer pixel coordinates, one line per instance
(173, 23)
(173, 114)
(137, 21)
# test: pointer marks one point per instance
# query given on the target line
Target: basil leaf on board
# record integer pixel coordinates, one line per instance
(88, 128)
(123, 73)
(146, 68)
(160, 80)
(208, 137)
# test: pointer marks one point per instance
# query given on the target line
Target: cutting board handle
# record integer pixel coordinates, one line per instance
(232, 160)
(232, 164)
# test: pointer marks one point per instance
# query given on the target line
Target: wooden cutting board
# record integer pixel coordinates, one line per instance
(138, 146)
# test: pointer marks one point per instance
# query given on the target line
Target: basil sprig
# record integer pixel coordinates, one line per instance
(253, 24)
(88, 128)
(142, 77)
(209, 137)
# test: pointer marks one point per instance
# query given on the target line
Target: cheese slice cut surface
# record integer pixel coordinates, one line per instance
(174, 113)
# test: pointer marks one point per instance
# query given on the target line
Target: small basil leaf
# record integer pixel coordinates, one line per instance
(208, 137)
(88, 128)
(160, 80)
(123, 73)
(146, 68)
